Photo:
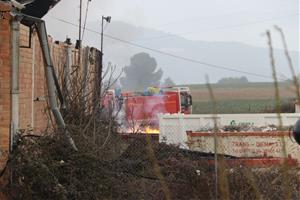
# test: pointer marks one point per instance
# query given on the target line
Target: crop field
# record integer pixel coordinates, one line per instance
(234, 106)
(241, 98)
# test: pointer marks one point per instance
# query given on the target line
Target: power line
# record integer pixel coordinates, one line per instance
(188, 59)
(168, 35)
(226, 68)
(197, 19)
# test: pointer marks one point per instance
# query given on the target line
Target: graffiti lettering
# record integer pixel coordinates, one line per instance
(267, 144)
(240, 144)
(258, 148)
(234, 123)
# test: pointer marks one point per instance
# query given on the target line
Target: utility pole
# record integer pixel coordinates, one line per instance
(102, 20)
(79, 34)
(107, 19)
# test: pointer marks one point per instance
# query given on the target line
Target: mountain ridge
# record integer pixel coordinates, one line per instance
(233, 55)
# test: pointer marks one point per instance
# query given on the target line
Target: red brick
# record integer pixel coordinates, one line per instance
(5, 7)
(25, 79)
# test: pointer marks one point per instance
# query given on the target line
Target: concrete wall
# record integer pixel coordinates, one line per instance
(173, 127)
(246, 144)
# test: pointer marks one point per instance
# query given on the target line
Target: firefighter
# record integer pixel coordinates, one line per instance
(153, 90)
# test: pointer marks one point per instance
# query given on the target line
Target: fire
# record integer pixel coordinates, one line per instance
(144, 130)
(149, 130)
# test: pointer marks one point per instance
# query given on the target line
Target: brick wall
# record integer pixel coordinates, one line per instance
(32, 84)
(33, 108)
(33, 90)
(5, 78)
(5, 74)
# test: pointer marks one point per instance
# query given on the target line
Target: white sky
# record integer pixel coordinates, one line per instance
(214, 20)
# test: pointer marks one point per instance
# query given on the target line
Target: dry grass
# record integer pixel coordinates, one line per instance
(55, 171)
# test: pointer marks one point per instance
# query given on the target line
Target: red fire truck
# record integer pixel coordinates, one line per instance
(139, 111)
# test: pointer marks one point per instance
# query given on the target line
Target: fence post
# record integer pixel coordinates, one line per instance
(67, 69)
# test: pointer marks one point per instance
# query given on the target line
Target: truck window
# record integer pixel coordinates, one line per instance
(182, 99)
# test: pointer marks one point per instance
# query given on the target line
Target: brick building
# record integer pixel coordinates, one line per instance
(5, 77)
(31, 93)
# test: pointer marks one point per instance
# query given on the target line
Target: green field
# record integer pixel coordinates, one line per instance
(242, 98)
(234, 106)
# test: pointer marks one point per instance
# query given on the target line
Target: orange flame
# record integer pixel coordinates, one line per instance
(145, 130)
(149, 130)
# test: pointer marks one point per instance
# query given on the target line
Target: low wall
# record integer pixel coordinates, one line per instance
(246, 144)
(173, 127)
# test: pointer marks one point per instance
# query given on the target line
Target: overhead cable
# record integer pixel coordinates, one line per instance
(222, 67)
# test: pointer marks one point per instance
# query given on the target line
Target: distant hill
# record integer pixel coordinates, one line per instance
(228, 54)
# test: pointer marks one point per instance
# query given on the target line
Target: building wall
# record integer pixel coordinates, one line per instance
(32, 84)
(5, 99)
(5, 79)
(33, 107)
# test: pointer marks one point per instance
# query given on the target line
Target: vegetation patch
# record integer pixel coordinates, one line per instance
(46, 168)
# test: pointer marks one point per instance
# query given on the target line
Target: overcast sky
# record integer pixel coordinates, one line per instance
(214, 20)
